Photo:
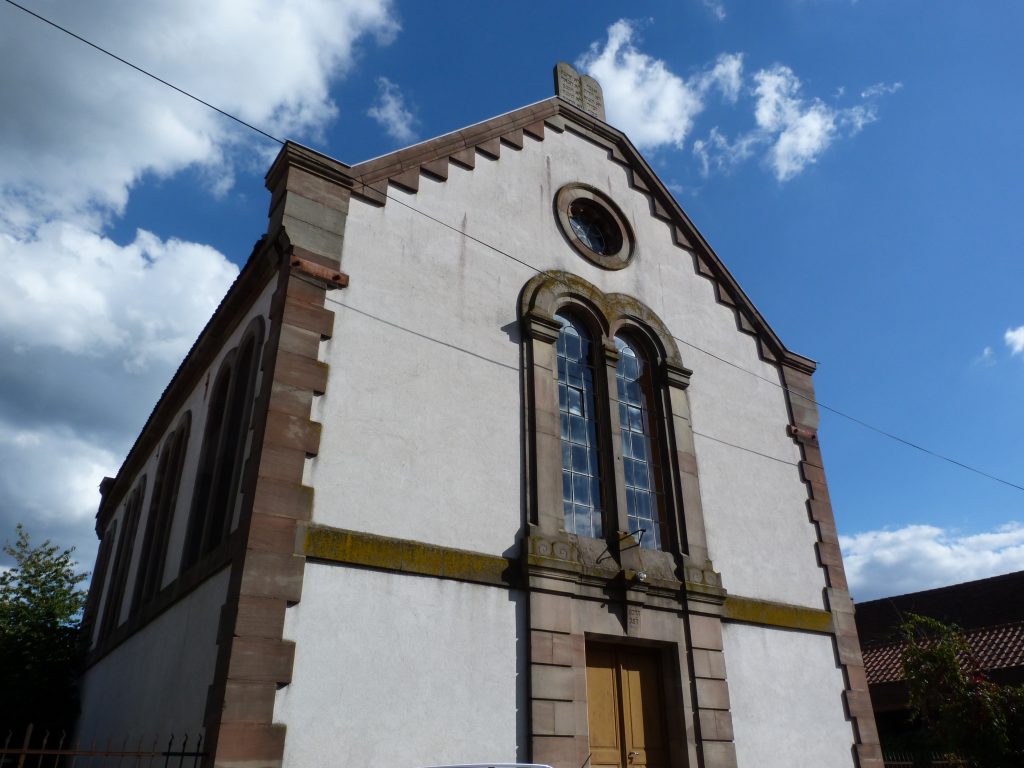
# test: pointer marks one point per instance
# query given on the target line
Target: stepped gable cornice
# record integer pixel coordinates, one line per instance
(510, 132)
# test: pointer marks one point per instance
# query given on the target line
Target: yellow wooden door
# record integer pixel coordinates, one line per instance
(625, 708)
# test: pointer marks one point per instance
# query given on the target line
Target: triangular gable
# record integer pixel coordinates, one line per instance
(431, 158)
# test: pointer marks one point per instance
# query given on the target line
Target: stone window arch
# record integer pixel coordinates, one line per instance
(665, 410)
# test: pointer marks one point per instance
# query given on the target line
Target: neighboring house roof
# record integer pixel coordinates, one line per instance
(993, 647)
(974, 604)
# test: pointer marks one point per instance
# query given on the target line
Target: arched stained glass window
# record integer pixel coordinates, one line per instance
(581, 475)
(639, 451)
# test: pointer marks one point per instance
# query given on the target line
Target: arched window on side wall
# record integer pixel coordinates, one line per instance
(122, 560)
(229, 416)
(100, 577)
(161, 513)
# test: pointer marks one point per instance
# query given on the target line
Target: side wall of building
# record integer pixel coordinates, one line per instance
(154, 685)
(152, 661)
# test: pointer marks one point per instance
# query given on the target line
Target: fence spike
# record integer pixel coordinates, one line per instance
(28, 739)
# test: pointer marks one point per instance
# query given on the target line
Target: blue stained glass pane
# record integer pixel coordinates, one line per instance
(578, 429)
(580, 459)
(640, 475)
(565, 426)
(636, 420)
(643, 505)
(633, 393)
(573, 374)
(574, 401)
(572, 346)
(567, 512)
(561, 368)
(639, 443)
(561, 397)
(566, 486)
(566, 456)
(623, 416)
(627, 447)
(581, 489)
(630, 368)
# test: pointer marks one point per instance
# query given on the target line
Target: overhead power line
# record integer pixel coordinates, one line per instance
(836, 411)
(147, 73)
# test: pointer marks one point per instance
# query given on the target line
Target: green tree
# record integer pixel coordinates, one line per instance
(40, 614)
(960, 709)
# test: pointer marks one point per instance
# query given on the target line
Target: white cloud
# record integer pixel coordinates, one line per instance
(1014, 338)
(987, 358)
(391, 112)
(80, 128)
(718, 153)
(880, 89)
(91, 330)
(801, 130)
(716, 7)
(726, 75)
(90, 334)
(793, 130)
(916, 557)
(74, 292)
(643, 97)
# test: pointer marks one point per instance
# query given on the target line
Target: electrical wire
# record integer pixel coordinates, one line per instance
(836, 411)
(137, 68)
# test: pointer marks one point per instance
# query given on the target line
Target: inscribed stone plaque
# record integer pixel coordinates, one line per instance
(633, 619)
(593, 99)
(582, 92)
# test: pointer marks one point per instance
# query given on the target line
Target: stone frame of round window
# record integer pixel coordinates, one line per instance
(606, 240)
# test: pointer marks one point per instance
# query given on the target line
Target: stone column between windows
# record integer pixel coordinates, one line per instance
(544, 431)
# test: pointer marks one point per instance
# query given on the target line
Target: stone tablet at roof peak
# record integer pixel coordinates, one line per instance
(582, 91)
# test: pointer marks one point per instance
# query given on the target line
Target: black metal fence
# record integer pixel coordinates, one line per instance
(921, 760)
(38, 748)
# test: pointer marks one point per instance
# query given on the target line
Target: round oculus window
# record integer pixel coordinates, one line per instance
(594, 226)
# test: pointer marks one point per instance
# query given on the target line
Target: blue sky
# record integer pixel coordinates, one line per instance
(856, 165)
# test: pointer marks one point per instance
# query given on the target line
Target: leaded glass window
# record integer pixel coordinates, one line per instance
(639, 454)
(581, 476)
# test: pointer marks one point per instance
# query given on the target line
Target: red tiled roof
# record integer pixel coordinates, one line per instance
(995, 647)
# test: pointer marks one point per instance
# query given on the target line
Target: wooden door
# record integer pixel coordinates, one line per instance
(625, 708)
